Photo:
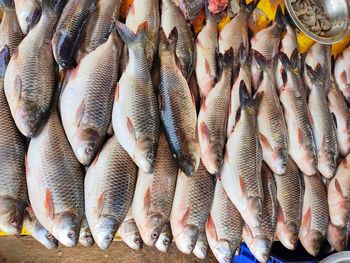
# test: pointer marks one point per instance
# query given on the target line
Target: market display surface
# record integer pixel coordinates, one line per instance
(207, 123)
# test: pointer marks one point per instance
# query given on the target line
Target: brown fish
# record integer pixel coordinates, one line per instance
(109, 189)
(177, 107)
(129, 232)
(337, 237)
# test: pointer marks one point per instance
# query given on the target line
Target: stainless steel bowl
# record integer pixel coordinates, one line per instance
(338, 12)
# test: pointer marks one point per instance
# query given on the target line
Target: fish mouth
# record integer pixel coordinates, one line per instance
(289, 236)
(186, 240)
(104, 232)
(312, 242)
(86, 239)
(224, 251)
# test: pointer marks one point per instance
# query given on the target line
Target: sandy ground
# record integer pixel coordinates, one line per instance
(27, 250)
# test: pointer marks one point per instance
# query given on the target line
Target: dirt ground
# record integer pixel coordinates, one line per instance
(27, 250)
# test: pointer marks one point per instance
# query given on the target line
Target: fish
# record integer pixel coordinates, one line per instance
(201, 248)
(194, 88)
(341, 117)
(289, 205)
(28, 14)
(206, 61)
(154, 194)
(260, 239)
(85, 236)
(165, 238)
(37, 231)
(337, 237)
(98, 25)
(339, 195)
(129, 232)
(217, 6)
(273, 133)
(234, 6)
(69, 30)
(185, 48)
(87, 102)
(146, 11)
(322, 123)
(235, 34)
(135, 114)
(212, 118)
(177, 107)
(342, 73)
(190, 8)
(10, 31)
(224, 226)
(13, 188)
(292, 95)
(31, 74)
(241, 171)
(55, 181)
(315, 217)
(267, 42)
(109, 188)
(190, 208)
(245, 75)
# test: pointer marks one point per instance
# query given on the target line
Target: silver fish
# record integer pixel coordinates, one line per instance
(165, 238)
(85, 236)
(129, 232)
(201, 248)
(28, 13)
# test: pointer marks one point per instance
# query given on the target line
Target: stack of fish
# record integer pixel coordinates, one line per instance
(142, 128)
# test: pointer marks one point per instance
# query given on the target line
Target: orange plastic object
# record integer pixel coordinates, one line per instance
(125, 8)
(198, 22)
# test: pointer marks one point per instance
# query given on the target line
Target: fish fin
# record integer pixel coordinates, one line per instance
(280, 20)
(100, 204)
(205, 133)
(80, 113)
(185, 217)
(49, 206)
(210, 227)
(4, 60)
(18, 87)
(261, 61)
(170, 42)
(117, 92)
(238, 114)
(314, 74)
(306, 220)
(300, 136)
(284, 77)
(243, 187)
(129, 37)
(334, 120)
(343, 77)
(338, 188)
(207, 67)
(257, 99)
(53, 6)
(147, 199)
(260, 80)
(251, 6)
(244, 97)
(130, 126)
(243, 54)
(227, 59)
(264, 142)
(296, 60)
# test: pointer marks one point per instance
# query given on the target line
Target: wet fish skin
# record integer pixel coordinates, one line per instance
(85, 236)
(67, 37)
(212, 118)
(241, 173)
(185, 49)
(190, 208)
(322, 123)
(224, 226)
(37, 231)
(109, 189)
(139, 12)
(28, 13)
(177, 108)
(341, 116)
(10, 30)
(338, 195)
(315, 217)
(13, 189)
(85, 121)
(290, 203)
(337, 237)
(31, 74)
(129, 232)
(201, 248)
(273, 133)
(260, 239)
(302, 146)
(99, 25)
(154, 194)
(55, 181)
(135, 111)
(342, 73)
(165, 238)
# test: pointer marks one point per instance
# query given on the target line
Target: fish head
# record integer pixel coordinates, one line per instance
(28, 117)
(201, 248)
(85, 237)
(66, 228)
(279, 161)
(327, 164)
(145, 154)
(189, 160)
(104, 231)
(288, 235)
(133, 239)
(88, 144)
(260, 248)
(164, 240)
(12, 213)
(213, 158)
(224, 251)
(44, 237)
(337, 237)
(186, 240)
(312, 242)
(64, 54)
(152, 229)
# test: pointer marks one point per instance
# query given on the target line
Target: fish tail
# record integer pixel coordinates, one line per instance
(262, 62)
(227, 58)
(4, 60)
(129, 37)
(244, 55)
(316, 74)
(246, 100)
(7, 3)
(168, 42)
(53, 6)
(280, 19)
(251, 6)
(294, 63)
